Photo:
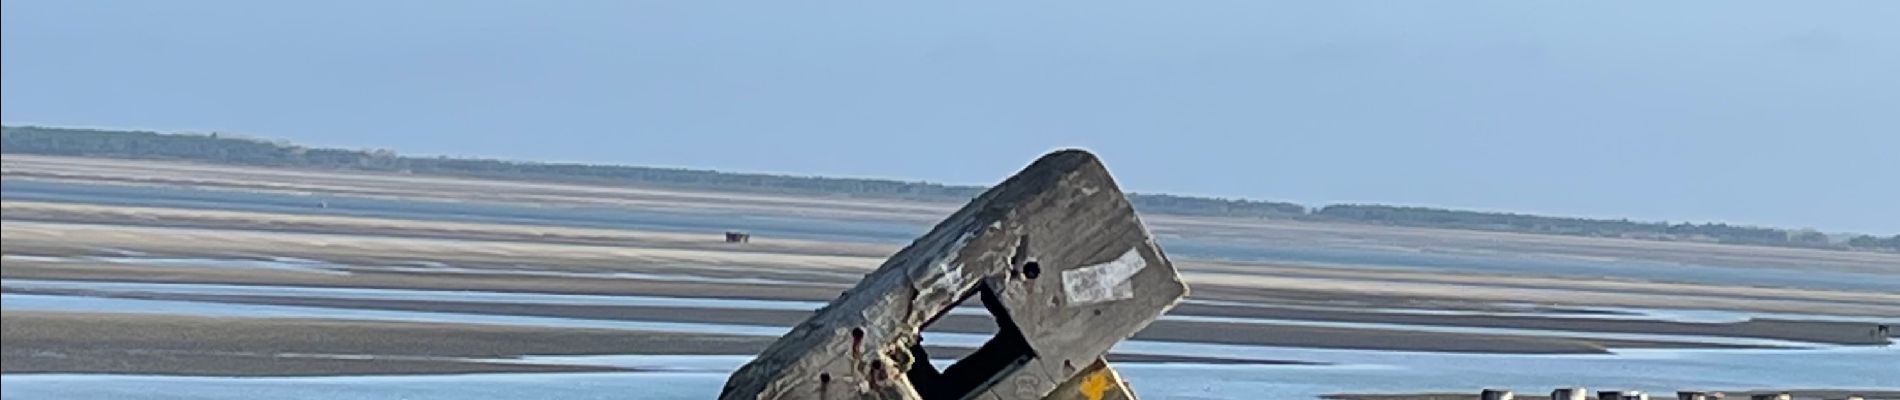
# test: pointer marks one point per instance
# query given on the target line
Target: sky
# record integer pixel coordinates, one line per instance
(1768, 113)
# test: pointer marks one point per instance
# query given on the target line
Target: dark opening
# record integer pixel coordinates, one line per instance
(1001, 356)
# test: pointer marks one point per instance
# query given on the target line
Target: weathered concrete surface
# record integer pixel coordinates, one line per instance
(1057, 244)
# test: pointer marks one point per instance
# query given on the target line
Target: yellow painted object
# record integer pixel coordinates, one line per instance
(1096, 382)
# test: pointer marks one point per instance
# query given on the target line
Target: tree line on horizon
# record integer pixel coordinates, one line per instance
(248, 151)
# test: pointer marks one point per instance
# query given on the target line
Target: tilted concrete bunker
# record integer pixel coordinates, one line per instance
(1055, 253)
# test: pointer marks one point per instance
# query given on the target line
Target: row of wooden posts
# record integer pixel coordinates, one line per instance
(1577, 393)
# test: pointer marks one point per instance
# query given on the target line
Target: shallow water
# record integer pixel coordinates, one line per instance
(470, 296)
(643, 276)
(787, 305)
(652, 385)
(265, 263)
(62, 303)
(1574, 312)
(700, 377)
(466, 296)
(293, 264)
(1738, 316)
(1501, 331)
(1820, 367)
(1372, 371)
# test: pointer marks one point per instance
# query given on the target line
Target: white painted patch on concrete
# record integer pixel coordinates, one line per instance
(1105, 282)
(952, 278)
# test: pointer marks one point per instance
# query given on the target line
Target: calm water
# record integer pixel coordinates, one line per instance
(1374, 372)
(897, 232)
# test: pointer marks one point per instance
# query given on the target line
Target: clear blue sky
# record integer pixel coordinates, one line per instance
(1756, 112)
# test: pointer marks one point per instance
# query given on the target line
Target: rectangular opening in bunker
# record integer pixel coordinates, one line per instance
(1003, 354)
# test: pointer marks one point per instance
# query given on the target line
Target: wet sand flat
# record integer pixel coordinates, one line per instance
(342, 225)
(366, 249)
(37, 342)
(1260, 231)
(1234, 303)
(1166, 330)
(36, 248)
(59, 342)
(75, 216)
(1809, 331)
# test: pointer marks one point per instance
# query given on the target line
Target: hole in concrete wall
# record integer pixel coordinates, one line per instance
(1022, 251)
(1032, 269)
(1002, 355)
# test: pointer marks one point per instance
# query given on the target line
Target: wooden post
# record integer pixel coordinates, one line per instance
(1095, 382)
(1055, 252)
